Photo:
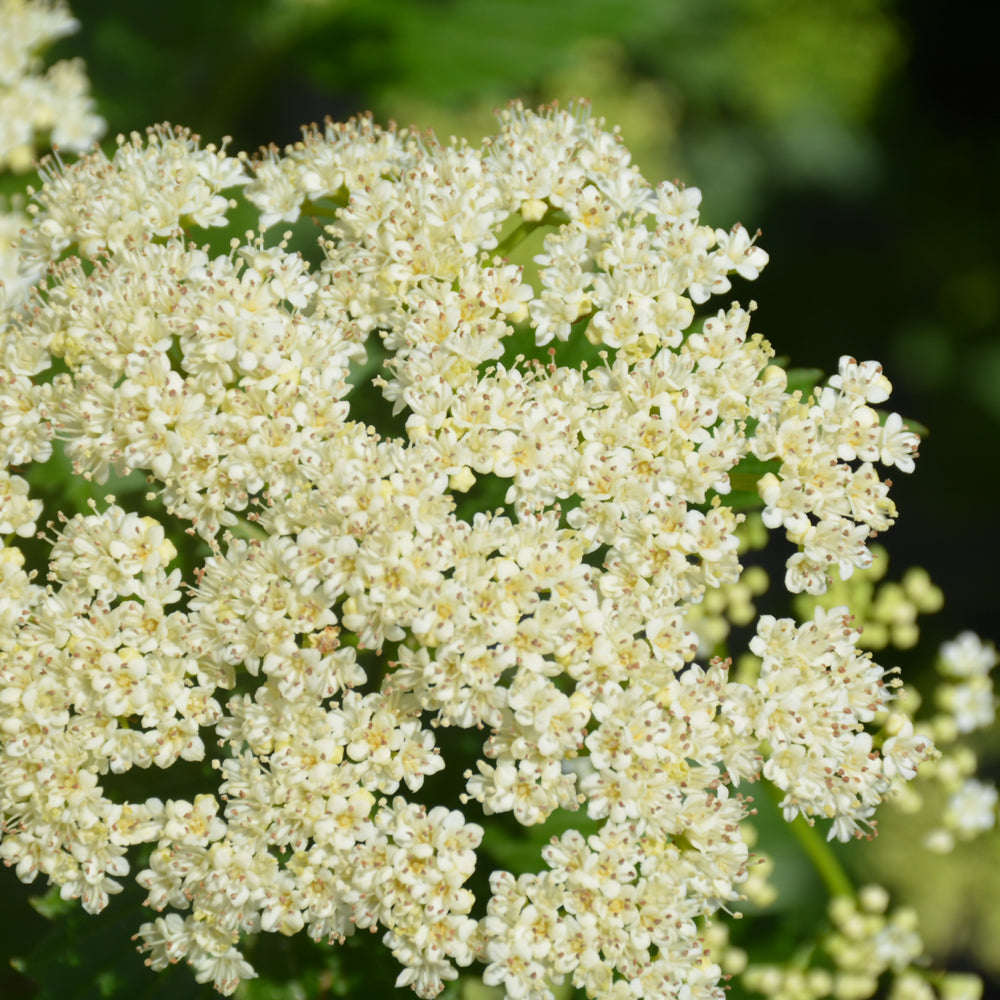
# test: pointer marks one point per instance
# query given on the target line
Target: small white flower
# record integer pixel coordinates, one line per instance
(967, 656)
(972, 809)
(897, 446)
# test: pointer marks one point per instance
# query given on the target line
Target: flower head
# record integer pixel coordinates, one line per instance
(347, 604)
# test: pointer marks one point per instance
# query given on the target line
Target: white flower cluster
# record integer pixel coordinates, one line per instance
(967, 702)
(346, 611)
(827, 506)
(56, 104)
(968, 696)
(14, 285)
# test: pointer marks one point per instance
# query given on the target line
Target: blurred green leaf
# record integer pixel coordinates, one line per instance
(804, 380)
(86, 957)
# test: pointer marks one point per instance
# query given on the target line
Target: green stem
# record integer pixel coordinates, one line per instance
(823, 859)
(326, 208)
(744, 481)
(515, 238)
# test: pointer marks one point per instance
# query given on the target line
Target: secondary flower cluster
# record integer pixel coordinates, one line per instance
(967, 702)
(56, 104)
(351, 604)
(865, 942)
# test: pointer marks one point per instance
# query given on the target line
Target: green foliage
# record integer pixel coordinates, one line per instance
(82, 957)
(738, 93)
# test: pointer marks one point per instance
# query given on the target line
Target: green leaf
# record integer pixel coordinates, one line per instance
(52, 906)
(93, 957)
(519, 848)
(446, 51)
(804, 379)
(909, 423)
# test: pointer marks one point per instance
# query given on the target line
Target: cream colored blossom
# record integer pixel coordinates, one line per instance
(346, 605)
(36, 106)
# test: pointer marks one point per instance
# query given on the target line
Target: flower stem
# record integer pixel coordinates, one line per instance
(824, 860)
(326, 208)
(515, 237)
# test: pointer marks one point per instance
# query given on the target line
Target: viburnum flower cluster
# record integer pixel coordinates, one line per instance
(55, 103)
(356, 597)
